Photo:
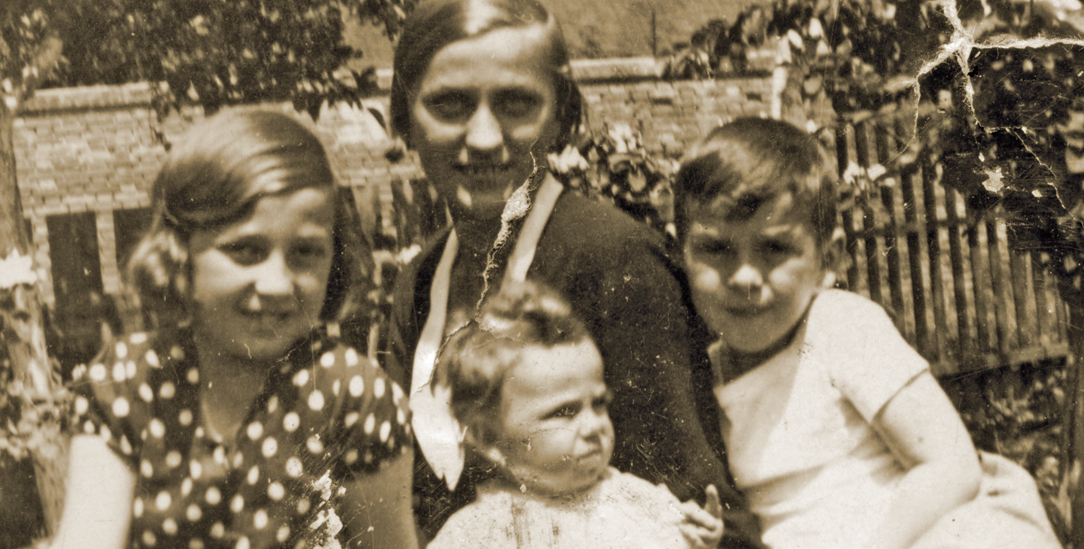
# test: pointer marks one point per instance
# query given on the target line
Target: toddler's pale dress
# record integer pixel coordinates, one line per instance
(622, 511)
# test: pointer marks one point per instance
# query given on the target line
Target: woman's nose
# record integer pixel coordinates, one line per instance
(274, 276)
(484, 131)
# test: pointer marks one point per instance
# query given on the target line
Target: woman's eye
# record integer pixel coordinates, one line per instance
(308, 252)
(516, 104)
(450, 105)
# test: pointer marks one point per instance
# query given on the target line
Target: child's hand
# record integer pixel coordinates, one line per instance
(703, 526)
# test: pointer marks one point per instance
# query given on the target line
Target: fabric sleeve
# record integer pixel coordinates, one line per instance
(868, 360)
(372, 415)
(112, 396)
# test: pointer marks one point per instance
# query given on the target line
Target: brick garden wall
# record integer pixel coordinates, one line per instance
(97, 149)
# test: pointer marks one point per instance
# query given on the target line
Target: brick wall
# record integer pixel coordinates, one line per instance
(98, 148)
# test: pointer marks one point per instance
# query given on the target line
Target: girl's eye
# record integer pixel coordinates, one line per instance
(243, 253)
(451, 105)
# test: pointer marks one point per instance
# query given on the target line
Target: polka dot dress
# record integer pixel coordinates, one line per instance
(326, 412)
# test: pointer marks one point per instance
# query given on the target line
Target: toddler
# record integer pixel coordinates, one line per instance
(526, 383)
(836, 430)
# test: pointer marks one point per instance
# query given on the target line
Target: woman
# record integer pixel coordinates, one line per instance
(220, 430)
(482, 92)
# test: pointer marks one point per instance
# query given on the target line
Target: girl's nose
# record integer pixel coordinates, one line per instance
(484, 131)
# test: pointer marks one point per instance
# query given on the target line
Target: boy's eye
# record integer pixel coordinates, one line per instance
(778, 247)
(713, 247)
(450, 105)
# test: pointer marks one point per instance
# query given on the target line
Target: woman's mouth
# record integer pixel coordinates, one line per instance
(745, 311)
(482, 170)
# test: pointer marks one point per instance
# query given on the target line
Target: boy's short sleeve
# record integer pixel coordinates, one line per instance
(867, 359)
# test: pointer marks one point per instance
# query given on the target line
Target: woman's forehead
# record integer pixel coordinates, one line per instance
(524, 47)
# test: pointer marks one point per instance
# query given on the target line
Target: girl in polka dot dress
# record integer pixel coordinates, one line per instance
(243, 421)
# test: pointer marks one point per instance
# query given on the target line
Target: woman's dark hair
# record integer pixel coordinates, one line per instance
(436, 23)
(476, 359)
(214, 176)
(750, 162)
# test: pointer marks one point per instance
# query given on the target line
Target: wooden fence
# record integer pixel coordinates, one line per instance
(945, 270)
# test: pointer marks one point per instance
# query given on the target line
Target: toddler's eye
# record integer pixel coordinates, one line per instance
(603, 402)
(565, 411)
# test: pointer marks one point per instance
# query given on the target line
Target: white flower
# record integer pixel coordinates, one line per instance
(406, 254)
(17, 269)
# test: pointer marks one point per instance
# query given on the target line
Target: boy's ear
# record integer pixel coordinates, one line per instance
(834, 253)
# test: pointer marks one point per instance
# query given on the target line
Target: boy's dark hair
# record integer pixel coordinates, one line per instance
(751, 161)
(477, 357)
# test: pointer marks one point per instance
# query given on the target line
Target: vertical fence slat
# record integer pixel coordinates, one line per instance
(965, 339)
(844, 141)
(916, 224)
(884, 149)
(1002, 299)
(1043, 309)
(1023, 300)
(980, 269)
(869, 220)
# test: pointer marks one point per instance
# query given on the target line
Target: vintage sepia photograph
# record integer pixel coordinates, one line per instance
(532, 274)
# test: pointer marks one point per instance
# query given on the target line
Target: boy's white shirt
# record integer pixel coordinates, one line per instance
(799, 435)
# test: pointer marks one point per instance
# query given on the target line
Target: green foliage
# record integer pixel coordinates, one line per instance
(210, 51)
(613, 166)
(29, 47)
